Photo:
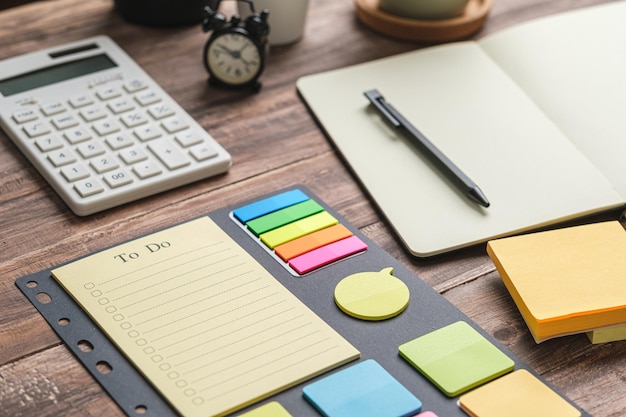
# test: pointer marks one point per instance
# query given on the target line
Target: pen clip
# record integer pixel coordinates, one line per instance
(381, 105)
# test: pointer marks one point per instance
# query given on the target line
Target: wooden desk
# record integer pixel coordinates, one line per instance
(275, 143)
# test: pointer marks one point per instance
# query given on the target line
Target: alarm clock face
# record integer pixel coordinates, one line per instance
(233, 58)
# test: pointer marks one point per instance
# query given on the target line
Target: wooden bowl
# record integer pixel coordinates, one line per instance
(430, 31)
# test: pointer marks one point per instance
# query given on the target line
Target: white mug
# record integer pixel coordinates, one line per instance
(424, 9)
(286, 18)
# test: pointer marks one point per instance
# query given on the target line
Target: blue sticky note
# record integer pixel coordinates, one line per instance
(363, 390)
(268, 205)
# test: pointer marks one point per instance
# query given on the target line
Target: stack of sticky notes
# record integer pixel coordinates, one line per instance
(567, 281)
(299, 231)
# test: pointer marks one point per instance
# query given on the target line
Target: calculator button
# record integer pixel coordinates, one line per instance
(120, 106)
(134, 119)
(36, 129)
(119, 141)
(104, 164)
(147, 97)
(160, 111)
(118, 178)
(75, 172)
(147, 132)
(88, 187)
(135, 85)
(174, 125)
(53, 108)
(133, 155)
(24, 116)
(81, 101)
(48, 143)
(90, 149)
(64, 121)
(146, 170)
(188, 138)
(104, 127)
(61, 157)
(93, 113)
(108, 93)
(169, 154)
(80, 134)
(203, 152)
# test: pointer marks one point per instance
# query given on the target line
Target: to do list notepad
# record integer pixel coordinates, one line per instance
(201, 319)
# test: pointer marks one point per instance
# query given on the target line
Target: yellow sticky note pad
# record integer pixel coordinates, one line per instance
(568, 280)
(273, 409)
(518, 394)
(610, 334)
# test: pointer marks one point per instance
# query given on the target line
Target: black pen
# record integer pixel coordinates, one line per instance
(395, 119)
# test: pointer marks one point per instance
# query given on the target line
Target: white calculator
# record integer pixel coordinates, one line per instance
(99, 128)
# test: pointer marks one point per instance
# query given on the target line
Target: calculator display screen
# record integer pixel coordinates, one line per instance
(55, 74)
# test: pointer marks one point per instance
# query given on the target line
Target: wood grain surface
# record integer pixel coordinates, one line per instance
(274, 143)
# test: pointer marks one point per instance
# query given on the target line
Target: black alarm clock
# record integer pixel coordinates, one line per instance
(235, 53)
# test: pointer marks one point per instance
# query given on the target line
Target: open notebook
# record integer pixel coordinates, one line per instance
(534, 114)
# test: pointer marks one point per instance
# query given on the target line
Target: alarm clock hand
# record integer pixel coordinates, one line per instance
(246, 63)
(234, 54)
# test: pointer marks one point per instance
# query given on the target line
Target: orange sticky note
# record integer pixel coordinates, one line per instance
(518, 394)
(312, 241)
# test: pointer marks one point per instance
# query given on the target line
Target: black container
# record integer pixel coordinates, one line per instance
(162, 12)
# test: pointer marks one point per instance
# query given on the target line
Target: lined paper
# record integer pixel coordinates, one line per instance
(201, 319)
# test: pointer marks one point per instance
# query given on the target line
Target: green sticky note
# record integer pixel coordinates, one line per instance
(456, 358)
(285, 216)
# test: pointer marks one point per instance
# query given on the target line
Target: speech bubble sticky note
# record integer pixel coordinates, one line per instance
(372, 295)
